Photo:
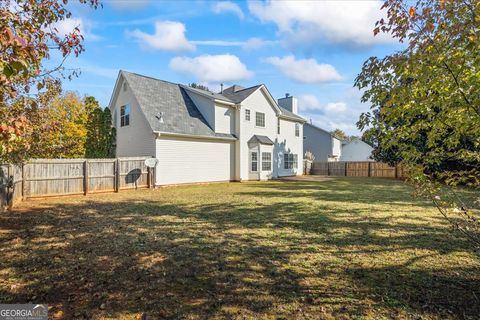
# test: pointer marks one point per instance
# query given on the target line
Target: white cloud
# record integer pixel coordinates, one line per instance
(308, 102)
(304, 70)
(336, 107)
(67, 26)
(212, 68)
(344, 22)
(228, 6)
(168, 36)
(257, 43)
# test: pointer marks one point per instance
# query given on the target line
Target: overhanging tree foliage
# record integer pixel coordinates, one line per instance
(425, 102)
(27, 37)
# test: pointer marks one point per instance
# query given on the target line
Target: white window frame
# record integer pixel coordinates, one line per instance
(253, 162)
(257, 114)
(266, 161)
(247, 114)
(124, 115)
(297, 130)
(290, 161)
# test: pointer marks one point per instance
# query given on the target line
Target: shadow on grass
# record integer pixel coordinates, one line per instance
(244, 258)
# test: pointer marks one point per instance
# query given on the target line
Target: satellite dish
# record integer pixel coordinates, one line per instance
(151, 162)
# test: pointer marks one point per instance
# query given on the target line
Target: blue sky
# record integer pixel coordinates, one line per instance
(310, 49)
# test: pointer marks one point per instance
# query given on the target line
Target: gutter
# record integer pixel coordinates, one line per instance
(292, 118)
(192, 136)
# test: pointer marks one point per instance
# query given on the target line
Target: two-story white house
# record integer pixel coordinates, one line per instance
(199, 136)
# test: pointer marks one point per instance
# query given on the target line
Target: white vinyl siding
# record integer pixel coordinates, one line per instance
(184, 160)
(136, 139)
(224, 119)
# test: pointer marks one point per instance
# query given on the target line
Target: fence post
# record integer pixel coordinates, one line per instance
(396, 172)
(24, 193)
(85, 177)
(149, 177)
(369, 168)
(346, 164)
(8, 194)
(117, 175)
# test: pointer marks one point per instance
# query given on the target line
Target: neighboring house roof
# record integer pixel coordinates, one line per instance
(321, 129)
(260, 139)
(355, 140)
(169, 101)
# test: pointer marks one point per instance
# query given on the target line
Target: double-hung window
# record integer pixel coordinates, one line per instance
(247, 115)
(266, 161)
(290, 161)
(297, 130)
(124, 115)
(260, 119)
(254, 161)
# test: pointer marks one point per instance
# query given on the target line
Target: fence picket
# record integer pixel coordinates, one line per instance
(55, 177)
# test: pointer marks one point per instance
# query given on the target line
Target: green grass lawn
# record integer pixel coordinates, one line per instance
(337, 248)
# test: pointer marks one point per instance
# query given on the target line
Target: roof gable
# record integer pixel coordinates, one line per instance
(167, 107)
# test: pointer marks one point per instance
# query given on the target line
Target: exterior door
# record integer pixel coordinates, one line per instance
(254, 164)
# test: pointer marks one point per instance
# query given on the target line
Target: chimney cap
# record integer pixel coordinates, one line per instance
(287, 95)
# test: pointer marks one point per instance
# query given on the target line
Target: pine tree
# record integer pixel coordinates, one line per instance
(100, 142)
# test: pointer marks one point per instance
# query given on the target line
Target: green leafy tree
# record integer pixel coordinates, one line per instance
(339, 134)
(100, 140)
(425, 102)
(27, 38)
(199, 86)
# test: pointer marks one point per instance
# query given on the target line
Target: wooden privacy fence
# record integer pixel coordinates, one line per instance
(356, 169)
(55, 177)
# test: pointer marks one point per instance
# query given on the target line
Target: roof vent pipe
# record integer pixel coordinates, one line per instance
(221, 87)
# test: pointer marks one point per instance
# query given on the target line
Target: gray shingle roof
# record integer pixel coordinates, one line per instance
(240, 95)
(289, 114)
(214, 95)
(179, 113)
(260, 139)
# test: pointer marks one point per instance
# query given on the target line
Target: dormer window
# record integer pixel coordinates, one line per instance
(260, 119)
(124, 115)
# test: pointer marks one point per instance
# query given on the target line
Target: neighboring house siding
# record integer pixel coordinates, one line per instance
(337, 148)
(205, 106)
(183, 160)
(286, 141)
(136, 139)
(318, 142)
(224, 119)
(356, 150)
